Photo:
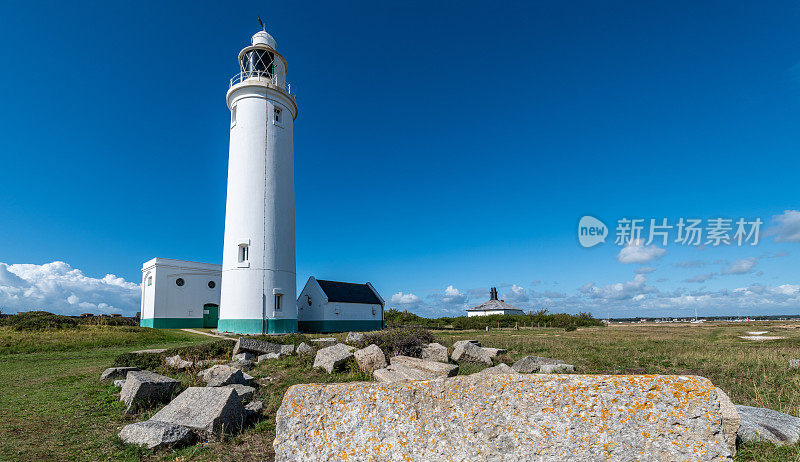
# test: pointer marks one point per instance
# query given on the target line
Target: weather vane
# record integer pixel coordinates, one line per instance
(261, 23)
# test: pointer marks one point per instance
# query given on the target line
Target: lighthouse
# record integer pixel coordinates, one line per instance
(258, 261)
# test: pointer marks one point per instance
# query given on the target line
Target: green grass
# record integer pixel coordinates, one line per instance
(52, 406)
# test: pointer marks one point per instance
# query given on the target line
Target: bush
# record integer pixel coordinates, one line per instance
(570, 328)
(108, 321)
(400, 341)
(38, 321)
(144, 361)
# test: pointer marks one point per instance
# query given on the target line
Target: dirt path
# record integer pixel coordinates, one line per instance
(209, 334)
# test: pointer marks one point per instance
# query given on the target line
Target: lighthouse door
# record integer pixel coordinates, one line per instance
(210, 315)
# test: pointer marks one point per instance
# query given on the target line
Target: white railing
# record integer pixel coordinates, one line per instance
(268, 78)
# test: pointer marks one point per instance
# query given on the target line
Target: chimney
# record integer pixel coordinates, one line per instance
(493, 293)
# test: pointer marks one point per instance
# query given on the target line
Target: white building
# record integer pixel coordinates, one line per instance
(330, 306)
(258, 255)
(493, 306)
(179, 294)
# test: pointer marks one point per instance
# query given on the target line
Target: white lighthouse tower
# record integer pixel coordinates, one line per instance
(258, 262)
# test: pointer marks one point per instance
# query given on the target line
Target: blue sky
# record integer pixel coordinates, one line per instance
(441, 148)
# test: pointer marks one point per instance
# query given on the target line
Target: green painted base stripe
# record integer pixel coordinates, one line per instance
(171, 323)
(257, 326)
(339, 326)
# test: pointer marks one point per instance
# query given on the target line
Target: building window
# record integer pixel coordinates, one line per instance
(180, 282)
(278, 116)
(212, 284)
(244, 253)
(149, 280)
(233, 116)
(277, 302)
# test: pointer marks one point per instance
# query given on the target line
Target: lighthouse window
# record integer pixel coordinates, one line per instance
(180, 282)
(233, 116)
(244, 253)
(212, 284)
(277, 302)
(277, 115)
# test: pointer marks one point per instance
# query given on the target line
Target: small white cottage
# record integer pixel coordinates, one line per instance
(493, 306)
(179, 294)
(331, 306)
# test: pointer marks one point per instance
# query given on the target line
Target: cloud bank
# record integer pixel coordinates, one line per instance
(61, 289)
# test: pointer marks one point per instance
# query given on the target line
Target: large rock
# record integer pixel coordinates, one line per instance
(493, 352)
(207, 411)
(323, 342)
(407, 368)
(220, 375)
(304, 349)
(254, 346)
(245, 392)
(461, 342)
(155, 435)
(143, 388)
(333, 357)
(501, 368)
(268, 357)
(730, 419)
(114, 373)
(556, 368)
(355, 337)
(759, 424)
(435, 352)
(504, 417)
(176, 362)
(469, 352)
(370, 358)
(244, 356)
(530, 364)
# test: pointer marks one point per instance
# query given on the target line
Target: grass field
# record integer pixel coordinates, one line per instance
(52, 406)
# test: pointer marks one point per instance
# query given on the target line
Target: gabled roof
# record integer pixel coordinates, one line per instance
(347, 292)
(494, 305)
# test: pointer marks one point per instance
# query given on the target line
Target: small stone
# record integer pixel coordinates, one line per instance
(493, 352)
(759, 424)
(333, 357)
(407, 368)
(730, 419)
(304, 349)
(370, 358)
(255, 346)
(501, 368)
(461, 342)
(435, 352)
(176, 362)
(324, 342)
(113, 373)
(155, 435)
(556, 368)
(245, 392)
(152, 350)
(268, 356)
(119, 383)
(287, 349)
(144, 388)
(794, 364)
(220, 375)
(246, 356)
(208, 411)
(355, 337)
(254, 407)
(469, 352)
(530, 364)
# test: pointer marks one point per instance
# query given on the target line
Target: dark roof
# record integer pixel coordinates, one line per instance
(346, 292)
(494, 305)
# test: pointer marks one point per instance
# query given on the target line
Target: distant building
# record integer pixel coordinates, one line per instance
(179, 294)
(86, 315)
(331, 306)
(493, 306)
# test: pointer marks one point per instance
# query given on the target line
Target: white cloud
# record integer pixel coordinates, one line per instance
(59, 288)
(620, 290)
(786, 226)
(517, 294)
(636, 252)
(644, 270)
(741, 266)
(701, 277)
(405, 301)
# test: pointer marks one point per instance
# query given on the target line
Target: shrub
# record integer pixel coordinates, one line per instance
(144, 361)
(38, 321)
(570, 328)
(109, 321)
(400, 341)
